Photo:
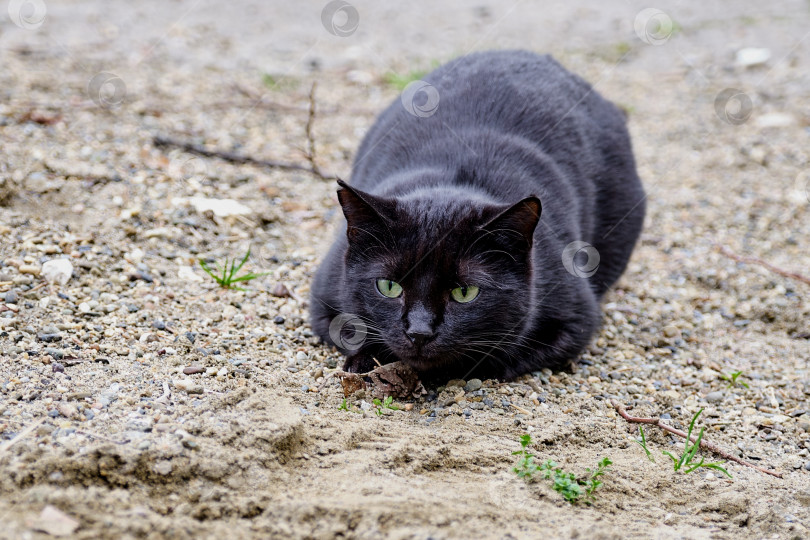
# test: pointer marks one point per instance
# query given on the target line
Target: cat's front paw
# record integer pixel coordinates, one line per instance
(359, 363)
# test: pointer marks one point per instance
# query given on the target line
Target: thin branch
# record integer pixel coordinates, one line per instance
(101, 437)
(310, 153)
(20, 436)
(765, 264)
(703, 443)
(238, 159)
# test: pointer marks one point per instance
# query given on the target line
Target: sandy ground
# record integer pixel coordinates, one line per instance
(139, 399)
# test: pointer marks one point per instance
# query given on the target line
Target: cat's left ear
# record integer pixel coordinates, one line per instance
(364, 212)
(516, 224)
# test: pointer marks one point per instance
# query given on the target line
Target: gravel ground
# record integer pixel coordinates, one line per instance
(139, 399)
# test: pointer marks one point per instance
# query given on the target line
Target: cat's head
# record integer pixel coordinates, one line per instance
(440, 277)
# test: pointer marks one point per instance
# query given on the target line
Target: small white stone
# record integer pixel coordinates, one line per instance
(163, 467)
(751, 56)
(775, 120)
(186, 273)
(135, 256)
(183, 384)
(84, 307)
(57, 271)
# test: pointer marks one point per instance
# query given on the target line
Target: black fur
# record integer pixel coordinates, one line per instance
(453, 198)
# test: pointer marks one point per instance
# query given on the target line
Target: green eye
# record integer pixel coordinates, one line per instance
(389, 288)
(463, 295)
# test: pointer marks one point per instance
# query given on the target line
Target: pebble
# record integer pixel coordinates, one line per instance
(56, 354)
(139, 424)
(68, 410)
(30, 269)
(54, 522)
(671, 331)
(163, 467)
(714, 397)
(188, 385)
(752, 56)
(280, 290)
(191, 370)
(57, 271)
(10, 297)
(159, 325)
(49, 337)
(278, 319)
(473, 385)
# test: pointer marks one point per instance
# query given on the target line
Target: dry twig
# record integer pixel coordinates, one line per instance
(235, 158)
(239, 159)
(765, 264)
(101, 437)
(310, 153)
(703, 443)
(20, 436)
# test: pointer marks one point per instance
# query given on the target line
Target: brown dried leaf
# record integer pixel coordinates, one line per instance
(351, 383)
(397, 379)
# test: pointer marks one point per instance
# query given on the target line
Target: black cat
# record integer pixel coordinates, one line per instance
(449, 262)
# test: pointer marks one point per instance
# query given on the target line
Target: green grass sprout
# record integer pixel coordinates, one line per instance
(228, 272)
(564, 483)
(685, 460)
(732, 377)
(344, 406)
(525, 467)
(593, 482)
(643, 444)
(387, 403)
(400, 80)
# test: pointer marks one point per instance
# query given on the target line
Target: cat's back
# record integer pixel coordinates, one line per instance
(518, 93)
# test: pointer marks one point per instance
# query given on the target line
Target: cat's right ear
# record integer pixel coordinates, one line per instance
(365, 213)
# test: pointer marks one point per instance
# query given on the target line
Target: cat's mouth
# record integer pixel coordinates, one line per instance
(424, 358)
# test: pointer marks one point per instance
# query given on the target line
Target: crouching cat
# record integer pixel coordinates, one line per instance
(489, 210)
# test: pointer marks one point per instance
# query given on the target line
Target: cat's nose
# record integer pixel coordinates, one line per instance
(420, 337)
